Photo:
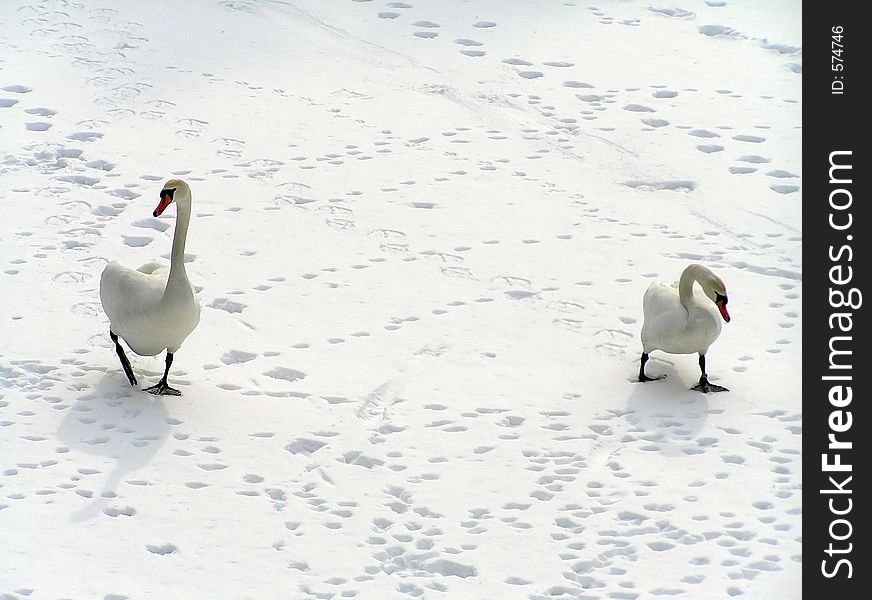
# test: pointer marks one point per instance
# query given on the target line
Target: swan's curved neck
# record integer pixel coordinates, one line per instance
(177, 259)
(685, 284)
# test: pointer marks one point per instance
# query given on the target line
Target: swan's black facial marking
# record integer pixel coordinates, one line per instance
(166, 197)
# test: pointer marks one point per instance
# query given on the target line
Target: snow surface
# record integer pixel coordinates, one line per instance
(421, 236)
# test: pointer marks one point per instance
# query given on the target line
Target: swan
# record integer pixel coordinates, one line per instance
(153, 308)
(683, 320)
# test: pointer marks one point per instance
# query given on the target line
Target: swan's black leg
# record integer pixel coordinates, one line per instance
(704, 386)
(125, 364)
(161, 388)
(642, 376)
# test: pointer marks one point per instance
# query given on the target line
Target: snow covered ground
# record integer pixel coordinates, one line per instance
(421, 236)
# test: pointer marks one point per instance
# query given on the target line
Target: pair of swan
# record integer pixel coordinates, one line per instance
(686, 320)
(154, 309)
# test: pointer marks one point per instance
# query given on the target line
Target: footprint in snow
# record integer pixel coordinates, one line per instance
(753, 139)
(375, 404)
(520, 62)
(39, 111)
(136, 241)
(753, 159)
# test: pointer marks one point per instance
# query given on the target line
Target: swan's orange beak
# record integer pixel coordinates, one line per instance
(164, 202)
(722, 306)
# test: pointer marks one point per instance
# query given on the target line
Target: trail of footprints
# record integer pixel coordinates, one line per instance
(406, 536)
(597, 102)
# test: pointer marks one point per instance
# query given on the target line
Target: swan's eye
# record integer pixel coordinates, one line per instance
(168, 192)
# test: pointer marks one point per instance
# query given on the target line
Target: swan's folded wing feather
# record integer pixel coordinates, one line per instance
(659, 299)
(153, 268)
(126, 292)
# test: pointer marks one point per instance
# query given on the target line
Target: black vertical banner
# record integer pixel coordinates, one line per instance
(836, 430)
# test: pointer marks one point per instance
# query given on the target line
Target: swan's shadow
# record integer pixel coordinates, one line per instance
(667, 414)
(114, 422)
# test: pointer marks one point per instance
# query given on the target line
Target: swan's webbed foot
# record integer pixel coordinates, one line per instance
(643, 378)
(705, 386)
(125, 364)
(162, 389)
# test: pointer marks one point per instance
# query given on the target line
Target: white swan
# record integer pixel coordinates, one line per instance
(153, 308)
(683, 320)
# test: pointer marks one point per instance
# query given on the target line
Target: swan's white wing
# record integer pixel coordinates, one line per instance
(661, 299)
(154, 268)
(130, 299)
(664, 314)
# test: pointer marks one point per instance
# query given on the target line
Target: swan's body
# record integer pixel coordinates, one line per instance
(685, 319)
(153, 308)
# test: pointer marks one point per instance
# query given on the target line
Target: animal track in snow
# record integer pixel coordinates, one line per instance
(678, 13)
(671, 185)
(784, 189)
(753, 139)
(753, 159)
(126, 511)
(638, 108)
(237, 357)
(285, 374)
(136, 241)
(227, 305)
